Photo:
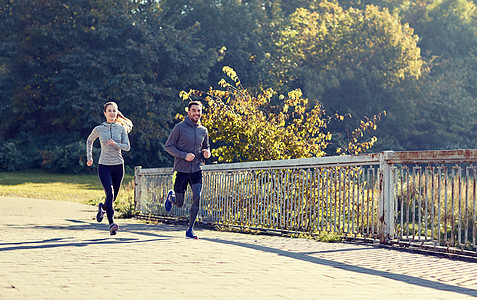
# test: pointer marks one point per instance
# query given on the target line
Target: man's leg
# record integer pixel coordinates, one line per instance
(180, 186)
(194, 209)
(196, 185)
(179, 201)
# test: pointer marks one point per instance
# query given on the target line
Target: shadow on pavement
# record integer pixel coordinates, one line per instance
(347, 267)
(45, 244)
(339, 250)
(139, 229)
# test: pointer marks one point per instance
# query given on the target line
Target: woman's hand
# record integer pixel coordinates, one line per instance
(89, 162)
(110, 142)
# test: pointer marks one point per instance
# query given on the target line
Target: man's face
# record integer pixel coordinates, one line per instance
(195, 112)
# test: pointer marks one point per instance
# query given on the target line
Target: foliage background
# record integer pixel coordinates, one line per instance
(61, 60)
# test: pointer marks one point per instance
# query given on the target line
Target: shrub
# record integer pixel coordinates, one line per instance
(329, 237)
(70, 158)
(11, 158)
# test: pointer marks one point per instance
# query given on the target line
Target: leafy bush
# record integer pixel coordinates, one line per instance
(11, 158)
(51, 152)
(245, 126)
(64, 154)
(70, 158)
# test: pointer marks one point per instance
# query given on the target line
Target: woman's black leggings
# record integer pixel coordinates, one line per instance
(111, 178)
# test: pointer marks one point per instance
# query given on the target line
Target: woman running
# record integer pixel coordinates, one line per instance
(113, 136)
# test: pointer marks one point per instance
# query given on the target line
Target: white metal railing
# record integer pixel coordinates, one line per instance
(423, 197)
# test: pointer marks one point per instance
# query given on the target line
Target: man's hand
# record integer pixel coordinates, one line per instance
(89, 162)
(206, 153)
(190, 157)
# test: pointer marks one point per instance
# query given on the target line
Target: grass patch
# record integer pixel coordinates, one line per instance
(84, 188)
(329, 237)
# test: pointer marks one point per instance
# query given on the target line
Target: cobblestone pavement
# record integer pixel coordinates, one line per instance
(57, 250)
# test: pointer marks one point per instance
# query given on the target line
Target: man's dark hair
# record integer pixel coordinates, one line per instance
(194, 103)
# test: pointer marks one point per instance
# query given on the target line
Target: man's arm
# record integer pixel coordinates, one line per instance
(205, 145)
(170, 146)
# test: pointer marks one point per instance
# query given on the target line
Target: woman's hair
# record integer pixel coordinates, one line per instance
(121, 119)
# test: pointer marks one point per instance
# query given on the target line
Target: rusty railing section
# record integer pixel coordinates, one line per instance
(423, 198)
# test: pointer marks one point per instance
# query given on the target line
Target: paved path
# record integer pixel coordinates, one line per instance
(56, 250)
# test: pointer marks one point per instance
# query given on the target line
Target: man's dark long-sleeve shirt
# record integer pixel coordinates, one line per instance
(187, 137)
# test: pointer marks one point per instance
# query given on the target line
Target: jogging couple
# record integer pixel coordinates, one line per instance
(188, 143)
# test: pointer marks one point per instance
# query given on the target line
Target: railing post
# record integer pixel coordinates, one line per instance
(386, 197)
(137, 188)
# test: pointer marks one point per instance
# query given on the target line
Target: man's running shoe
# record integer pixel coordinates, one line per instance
(190, 234)
(113, 228)
(171, 196)
(100, 214)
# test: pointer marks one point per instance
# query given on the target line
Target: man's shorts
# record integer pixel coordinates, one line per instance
(182, 179)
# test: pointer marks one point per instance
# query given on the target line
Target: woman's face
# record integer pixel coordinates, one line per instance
(111, 113)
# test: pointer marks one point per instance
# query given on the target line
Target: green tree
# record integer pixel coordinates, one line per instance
(445, 27)
(329, 43)
(238, 32)
(449, 28)
(8, 48)
(437, 110)
(64, 60)
(350, 60)
(445, 115)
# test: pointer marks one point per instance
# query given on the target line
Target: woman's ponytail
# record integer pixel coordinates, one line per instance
(125, 122)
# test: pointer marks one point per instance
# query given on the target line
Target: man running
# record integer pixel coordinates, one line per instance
(189, 144)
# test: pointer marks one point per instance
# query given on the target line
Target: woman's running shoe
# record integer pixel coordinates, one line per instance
(100, 214)
(113, 228)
